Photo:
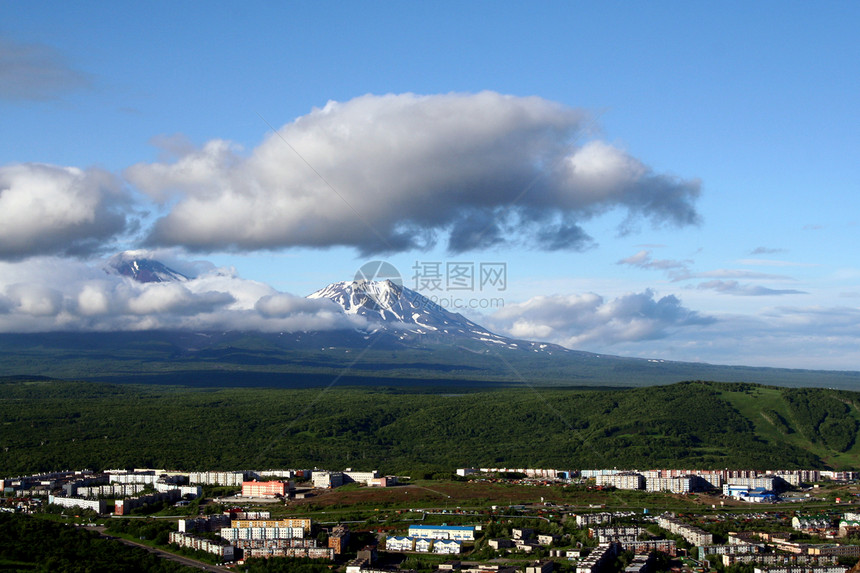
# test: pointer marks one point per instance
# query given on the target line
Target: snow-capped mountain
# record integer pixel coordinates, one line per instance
(142, 269)
(402, 311)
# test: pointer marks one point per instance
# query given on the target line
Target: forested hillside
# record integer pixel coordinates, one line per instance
(55, 424)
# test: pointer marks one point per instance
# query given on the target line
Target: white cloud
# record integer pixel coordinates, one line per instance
(395, 172)
(45, 209)
(588, 321)
(48, 294)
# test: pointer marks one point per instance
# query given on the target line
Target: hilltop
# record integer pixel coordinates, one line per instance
(50, 424)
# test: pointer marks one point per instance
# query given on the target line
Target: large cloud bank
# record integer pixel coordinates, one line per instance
(51, 294)
(45, 209)
(589, 320)
(390, 173)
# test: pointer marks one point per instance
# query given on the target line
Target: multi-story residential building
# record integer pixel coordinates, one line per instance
(522, 532)
(838, 475)
(540, 567)
(327, 480)
(264, 488)
(590, 474)
(769, 483)
(339, 539)
(694, 535)
(586, 519)
(302, 522)
(223, 550)
(595, 560)
(455, 532)
(835, 550)
(675, 484)
(250, 515)
(645, 547)
(309, 552)
(146, 477)
(811, 523)
(607, 534)
(209, 523)
(802, 569)
(125, 506)
(622, 480)
(705, 550)
(261, 543)
(234, 479)
(235, 533)
(360, 477)
(112, 490)
(638, 565)
(777, 559)
(97, 505)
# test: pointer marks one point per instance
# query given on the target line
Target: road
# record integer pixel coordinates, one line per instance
(187, 561)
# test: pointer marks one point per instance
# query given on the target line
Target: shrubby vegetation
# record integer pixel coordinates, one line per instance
(33, 544)
(49, 425)
(824, 417)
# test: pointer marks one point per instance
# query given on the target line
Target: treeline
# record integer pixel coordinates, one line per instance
(34, 544)
(49, 425)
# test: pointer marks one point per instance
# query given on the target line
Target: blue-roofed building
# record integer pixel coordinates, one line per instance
(455, 532)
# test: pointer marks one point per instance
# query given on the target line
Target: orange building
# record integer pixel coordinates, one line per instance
(264, 488)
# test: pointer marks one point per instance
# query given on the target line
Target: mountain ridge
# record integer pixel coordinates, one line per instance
(405, 339)
(397, 309)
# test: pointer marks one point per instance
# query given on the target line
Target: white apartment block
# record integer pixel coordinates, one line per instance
(97, 505)
(625, 480)
(608, 534)
(327, 479)
(693, 534)
(233, 479)
(360, 477)
(113, 490)
(226, 552)
(586, 519)
(680, 484)
(146, 477)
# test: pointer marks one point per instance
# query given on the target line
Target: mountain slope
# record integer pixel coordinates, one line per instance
(411, 316)
(141, 269)
(690, 425)
(410, 341)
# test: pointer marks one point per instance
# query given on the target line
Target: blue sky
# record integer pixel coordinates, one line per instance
(740, 119)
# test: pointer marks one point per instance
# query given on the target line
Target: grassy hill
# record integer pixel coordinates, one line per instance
(51, 424)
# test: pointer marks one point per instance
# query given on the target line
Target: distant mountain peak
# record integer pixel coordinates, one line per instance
(401, 311)
(136, 266)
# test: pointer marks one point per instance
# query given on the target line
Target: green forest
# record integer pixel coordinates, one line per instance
(50, 425)
(40, 545)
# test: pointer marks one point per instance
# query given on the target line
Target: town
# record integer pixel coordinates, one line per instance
(778, 521)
